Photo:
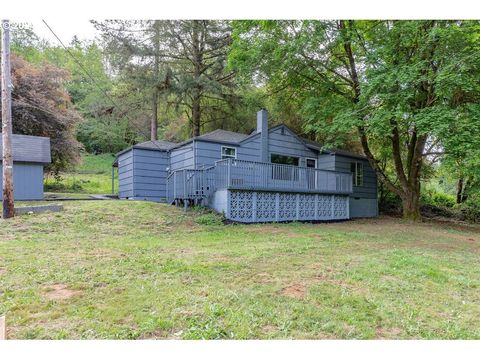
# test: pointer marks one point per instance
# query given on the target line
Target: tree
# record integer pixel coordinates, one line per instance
(181, 63)
(134, 51)
(401, 85)
(42, 107)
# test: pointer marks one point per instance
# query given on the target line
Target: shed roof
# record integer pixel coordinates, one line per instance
(28, 148)
(156, 144)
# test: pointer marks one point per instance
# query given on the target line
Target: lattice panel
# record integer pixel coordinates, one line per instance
(306, 208)
(265, 209)
(340, 207)
(250, 206)
(324, 207)
(287, 206)
(241, 205)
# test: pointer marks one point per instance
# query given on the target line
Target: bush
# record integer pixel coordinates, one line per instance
(434, 198)
(60, 185)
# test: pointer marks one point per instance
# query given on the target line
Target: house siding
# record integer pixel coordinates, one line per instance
(326, 162)
(206, 153)
(149, 174)
(27, 181)
(249, 150)
(288, 144)
(369, 188)
(182, 157)
(363, 200)
(125, 175)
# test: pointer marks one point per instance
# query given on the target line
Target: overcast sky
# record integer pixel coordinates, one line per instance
(66, 29)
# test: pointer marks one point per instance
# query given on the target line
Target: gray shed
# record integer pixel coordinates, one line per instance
(142, 171)
(30, 155)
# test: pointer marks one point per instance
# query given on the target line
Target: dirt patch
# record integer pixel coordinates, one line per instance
(268, 329)
(273, 230)
(2, 270)
(389, 278)
(60, 292)
(387, 333)
(453, 236)
(263, 278)
(295, 291)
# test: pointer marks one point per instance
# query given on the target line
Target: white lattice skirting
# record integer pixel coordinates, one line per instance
(258, 206)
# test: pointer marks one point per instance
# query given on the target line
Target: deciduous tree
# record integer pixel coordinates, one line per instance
(400, 85)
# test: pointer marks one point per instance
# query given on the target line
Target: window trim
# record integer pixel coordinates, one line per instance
(357, 175)
(223, 156)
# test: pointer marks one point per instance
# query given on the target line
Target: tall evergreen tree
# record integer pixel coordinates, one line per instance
(182, 62)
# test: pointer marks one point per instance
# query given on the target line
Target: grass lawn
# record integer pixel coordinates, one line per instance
(92, 176)
(123, 269)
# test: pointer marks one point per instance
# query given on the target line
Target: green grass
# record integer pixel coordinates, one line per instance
(124, 269)
(92, 176)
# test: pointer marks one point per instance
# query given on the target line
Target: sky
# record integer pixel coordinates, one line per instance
(64, 28)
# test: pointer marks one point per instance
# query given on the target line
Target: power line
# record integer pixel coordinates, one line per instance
(93, 79)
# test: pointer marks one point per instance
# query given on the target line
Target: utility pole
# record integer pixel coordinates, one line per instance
(7, 160)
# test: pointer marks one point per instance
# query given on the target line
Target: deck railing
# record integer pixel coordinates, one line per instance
(251, 175)
(190, 183)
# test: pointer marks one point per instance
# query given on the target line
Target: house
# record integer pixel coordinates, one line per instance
(30, 155)
(270, 175)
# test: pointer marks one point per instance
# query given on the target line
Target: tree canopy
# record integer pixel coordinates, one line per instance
(404, 87)
(42, 107)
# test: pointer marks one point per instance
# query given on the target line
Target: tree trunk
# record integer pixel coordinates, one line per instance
(411, 204)
(196, 114)
(154, 121)
(197, 92)
(156, 73)
(460, 191)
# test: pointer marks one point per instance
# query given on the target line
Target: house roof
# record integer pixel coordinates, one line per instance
(223, 135)
(217, 136)
(28, 148)
(230, 137)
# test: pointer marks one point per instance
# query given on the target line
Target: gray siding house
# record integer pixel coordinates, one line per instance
(30, 155)
(270, 175)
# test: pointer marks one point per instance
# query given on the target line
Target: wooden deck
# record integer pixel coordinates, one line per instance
(194, 184)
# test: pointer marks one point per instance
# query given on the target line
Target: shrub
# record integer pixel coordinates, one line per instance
(434, 198)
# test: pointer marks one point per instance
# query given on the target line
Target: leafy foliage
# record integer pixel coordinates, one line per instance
(42, 107)
(408, 89)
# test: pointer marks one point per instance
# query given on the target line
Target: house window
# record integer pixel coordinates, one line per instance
(284, 172)
(282, 159)
(357, 173)
(229, 152)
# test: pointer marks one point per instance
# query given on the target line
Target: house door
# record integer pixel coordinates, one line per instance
(311, 174)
